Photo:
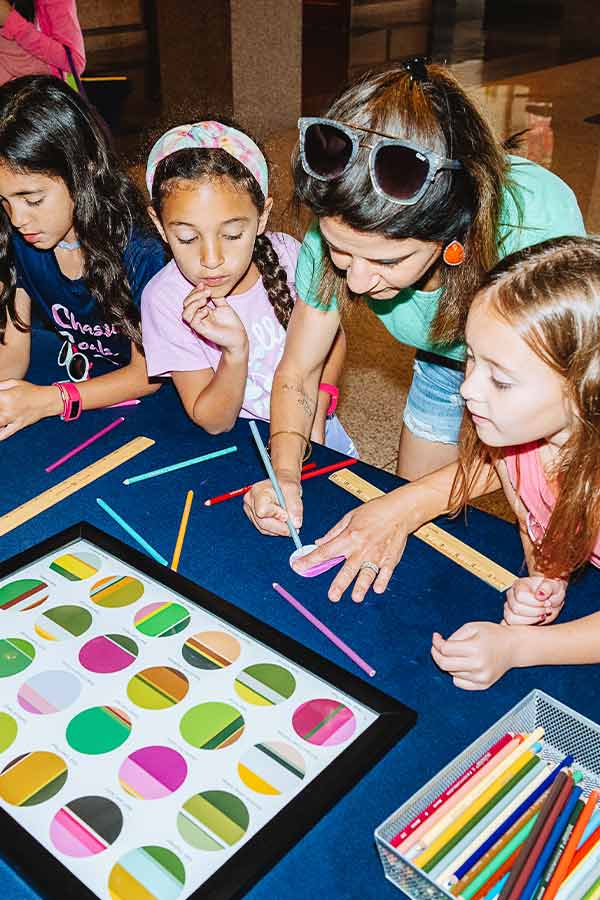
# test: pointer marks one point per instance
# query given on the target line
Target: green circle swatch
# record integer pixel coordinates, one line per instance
(8, 731)
(15, 655)
(98, 729)
(212, 726)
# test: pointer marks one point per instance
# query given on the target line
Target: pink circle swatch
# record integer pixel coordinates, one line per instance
(152, 772)
(324, 722)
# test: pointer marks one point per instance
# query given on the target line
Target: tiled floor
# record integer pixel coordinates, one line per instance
(553, 103)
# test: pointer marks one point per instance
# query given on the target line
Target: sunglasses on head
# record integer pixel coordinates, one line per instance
(76, 363)
(400, 170)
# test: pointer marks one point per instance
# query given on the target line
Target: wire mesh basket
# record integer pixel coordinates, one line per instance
(565, 731)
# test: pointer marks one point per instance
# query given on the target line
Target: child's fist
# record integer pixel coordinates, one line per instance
(534, 600)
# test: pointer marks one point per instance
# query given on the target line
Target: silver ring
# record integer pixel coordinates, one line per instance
(369, 565)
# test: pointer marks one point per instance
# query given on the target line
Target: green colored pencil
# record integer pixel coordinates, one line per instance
(499, 860)
(592, 891)
(478, 816)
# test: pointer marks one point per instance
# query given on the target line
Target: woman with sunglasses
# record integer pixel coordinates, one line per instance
(414, 201)
(76, 251)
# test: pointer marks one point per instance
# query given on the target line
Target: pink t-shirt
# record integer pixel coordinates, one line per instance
(171, 345)
(525, 470)
(38, 48)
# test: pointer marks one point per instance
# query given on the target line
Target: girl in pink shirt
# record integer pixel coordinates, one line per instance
(215, 318)
(33, 36)
(532, 427)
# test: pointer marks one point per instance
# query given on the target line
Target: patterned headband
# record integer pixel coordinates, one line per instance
(210, 135)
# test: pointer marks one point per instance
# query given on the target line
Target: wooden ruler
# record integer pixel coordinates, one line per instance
(74, 483)
(436, 537)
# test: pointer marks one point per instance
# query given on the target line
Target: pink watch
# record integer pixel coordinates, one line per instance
(71, 399)
(334, 393)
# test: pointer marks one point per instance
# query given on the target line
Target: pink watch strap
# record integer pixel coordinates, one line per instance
(334, 393)
(71, 399)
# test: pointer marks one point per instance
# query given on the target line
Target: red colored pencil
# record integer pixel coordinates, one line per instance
(399, 838)
(309, 474)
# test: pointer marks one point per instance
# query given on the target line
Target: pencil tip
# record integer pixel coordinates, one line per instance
(208, 502)
(275, 585)
(126, 481)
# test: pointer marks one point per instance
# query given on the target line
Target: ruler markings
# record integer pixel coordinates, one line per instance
(72, 484)
(445, 543)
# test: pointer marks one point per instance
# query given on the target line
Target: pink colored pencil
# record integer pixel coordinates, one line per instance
(85, 444)
(439, 801)
(123, 403)
(339, 643)
(460, 794)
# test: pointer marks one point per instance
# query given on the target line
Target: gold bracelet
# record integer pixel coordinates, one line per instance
(307, 452)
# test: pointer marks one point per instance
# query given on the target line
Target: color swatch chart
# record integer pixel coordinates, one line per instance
(142, 739)
(514, 825)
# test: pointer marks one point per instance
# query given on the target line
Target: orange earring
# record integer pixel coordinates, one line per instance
(454, 253)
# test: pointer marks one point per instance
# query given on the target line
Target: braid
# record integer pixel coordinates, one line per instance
(274, 279)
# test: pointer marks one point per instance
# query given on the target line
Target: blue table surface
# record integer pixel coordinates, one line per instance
(225, 554)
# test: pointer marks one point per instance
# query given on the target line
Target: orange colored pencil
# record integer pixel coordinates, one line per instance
(564, 864)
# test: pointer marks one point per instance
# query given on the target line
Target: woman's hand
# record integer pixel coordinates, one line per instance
(476, 655)
(23, 403)
(265, 513)
(534, 600)
(5, 10)
(214, 319)
(373, 533)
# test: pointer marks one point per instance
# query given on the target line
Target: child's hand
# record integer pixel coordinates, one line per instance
(214, 319)
(534, 600)
(476, 655)
(23, 403)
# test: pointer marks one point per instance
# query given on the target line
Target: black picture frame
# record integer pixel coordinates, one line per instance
(54, 881)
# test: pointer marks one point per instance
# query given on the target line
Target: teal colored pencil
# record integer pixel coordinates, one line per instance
(132, 532)
(179, 465)
(499, 860)
(273, 479)
(478, 816)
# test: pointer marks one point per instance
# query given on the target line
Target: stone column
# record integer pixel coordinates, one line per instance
(266, 63)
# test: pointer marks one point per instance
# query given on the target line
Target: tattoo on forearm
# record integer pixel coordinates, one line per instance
(303, 400)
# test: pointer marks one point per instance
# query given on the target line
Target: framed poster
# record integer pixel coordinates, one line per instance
(155, 740)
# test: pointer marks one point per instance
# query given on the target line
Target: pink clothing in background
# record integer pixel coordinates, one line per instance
(38, 49)
(527, 477)
(172, 346)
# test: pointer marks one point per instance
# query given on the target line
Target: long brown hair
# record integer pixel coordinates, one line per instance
(550, 295)
(438, 115)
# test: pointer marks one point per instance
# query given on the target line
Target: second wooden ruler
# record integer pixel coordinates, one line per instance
(74, 483)
(436, 537)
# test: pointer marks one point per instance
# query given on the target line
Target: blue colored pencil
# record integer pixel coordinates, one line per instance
(273, 479)
(179, 465)
(132, 532)
(553, 838)
(508, 823)
(590, 827)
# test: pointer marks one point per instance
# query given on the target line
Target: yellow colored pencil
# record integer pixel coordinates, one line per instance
(182, 530)
(436, 830)
(474, 808)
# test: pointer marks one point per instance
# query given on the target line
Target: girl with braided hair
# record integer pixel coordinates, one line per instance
(215, 317)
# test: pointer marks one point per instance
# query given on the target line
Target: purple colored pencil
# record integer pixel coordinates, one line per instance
(339, 643)
(85, 444)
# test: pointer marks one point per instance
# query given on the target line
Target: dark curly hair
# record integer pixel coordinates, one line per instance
(193, 164)
(48, 128)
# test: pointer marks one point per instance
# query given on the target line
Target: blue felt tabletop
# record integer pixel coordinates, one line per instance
(224, 553)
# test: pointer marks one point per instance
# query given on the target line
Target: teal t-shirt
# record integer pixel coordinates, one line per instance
(548, 209)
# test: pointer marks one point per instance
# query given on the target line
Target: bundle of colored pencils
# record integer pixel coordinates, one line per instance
(512, 826)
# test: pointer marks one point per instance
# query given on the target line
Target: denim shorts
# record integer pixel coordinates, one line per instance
(434, 407)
